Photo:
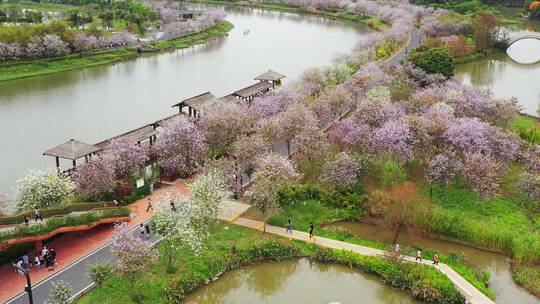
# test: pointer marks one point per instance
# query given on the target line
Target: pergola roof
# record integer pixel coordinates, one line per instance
(270, 76)
(197, 102)
(72, 150)
(229, 98)
(133, 136)
(254, 89)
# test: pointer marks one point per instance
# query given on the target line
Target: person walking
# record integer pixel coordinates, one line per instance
(311, 231)
(141, 229)
(115, 202)
(289, 226)
(149, 206)
(20, 265)
(26, 261)
(436, 259)
(147, 228)
(26, 220)
(52, 255)
(396, 250)
(37, 214)
(418, 255)
(173, 207)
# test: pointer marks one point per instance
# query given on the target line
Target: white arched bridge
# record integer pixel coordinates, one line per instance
(516, 38)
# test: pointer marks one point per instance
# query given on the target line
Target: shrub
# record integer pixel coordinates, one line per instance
(100, 272)
(392, 173)
(434, 60)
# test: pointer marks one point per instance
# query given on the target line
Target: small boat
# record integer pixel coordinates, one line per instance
(246, 32)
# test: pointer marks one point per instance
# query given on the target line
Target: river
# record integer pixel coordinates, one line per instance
(498, 265)
(94, 104)
(300, 282)
(507, 78)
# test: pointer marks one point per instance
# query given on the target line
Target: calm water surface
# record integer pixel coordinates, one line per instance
(93, 104)
(507, 78)
(299, 282)
(507, 292)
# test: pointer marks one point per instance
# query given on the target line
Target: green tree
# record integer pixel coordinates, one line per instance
(107, 18)
(433, 60)
(100, 272)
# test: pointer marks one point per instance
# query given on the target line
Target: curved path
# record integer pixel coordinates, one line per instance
(415, 39)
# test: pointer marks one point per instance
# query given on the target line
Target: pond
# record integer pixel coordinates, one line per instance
(507, 78)
(300, 282)
(506, 290)
(94, 104)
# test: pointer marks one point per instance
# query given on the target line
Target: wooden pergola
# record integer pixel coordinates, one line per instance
(271, 76)
(254, 90)
(198, 104)
(72, 150)
(135, 136)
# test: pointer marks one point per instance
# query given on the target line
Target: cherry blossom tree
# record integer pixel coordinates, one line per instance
(442, 170)
(293, 120)
(531, 158)
(61, 293)
(124, 157)
(93, 178)
(346, 134)
(341, 171)
(274, 171)
(42, 189)
(310, 147)
(247, 150)
(180, 146)
(529, 185)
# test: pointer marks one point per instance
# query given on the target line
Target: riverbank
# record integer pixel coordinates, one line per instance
(374, 22)
(31, 68)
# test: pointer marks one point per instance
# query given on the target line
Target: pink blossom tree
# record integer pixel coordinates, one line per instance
(134, 256)
(93, 178)
(529, 185)
(224, 125)
(125, 157)
(180, 146)
(395, 137)
(531, 158)
(442, 169)
(346, 134)
(274, 171)
(247, 150)
(481, 171)
(293, 120)
(310, 147)
(341, 171)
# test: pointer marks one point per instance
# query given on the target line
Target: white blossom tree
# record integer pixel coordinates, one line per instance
(42, 189)
(61, 293)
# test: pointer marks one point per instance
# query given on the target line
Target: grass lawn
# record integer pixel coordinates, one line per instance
(528, 128)
(29, 68)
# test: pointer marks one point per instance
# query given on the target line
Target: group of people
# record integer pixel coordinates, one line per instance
(37, 216)
(46, 258)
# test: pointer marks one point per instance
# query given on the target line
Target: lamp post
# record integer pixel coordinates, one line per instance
(28, 287)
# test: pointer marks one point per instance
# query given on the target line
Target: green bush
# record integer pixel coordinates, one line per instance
(391, 173)
(45, 213)
(433, 60)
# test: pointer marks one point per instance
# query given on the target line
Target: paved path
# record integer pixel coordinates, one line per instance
(415, 39)
(76, 254)
(470, 292)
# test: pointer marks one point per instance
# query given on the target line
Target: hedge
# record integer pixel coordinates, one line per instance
(66, 221)
(19, 218)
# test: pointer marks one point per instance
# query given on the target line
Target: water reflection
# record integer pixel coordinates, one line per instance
(298, 281)
(497, 264)
(96, 103)
(525, 51)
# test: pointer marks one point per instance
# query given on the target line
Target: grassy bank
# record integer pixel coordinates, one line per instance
(30, 68)
(231, 246)
(42, 6)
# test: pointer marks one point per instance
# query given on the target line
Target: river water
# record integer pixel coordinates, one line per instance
(94, 104)
(498, 265)
(300, 282)
(506, 77)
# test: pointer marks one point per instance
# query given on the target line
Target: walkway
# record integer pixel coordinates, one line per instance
(415, 39)
(76, 253)
(471, 294)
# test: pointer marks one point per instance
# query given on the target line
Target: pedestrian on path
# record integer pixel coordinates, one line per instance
(26, 220)
(436, 259)
(26, 261)
(141, 228)
(147, 228)
(20, 265)
(149, 205)
(418, 255)
(173, 207)
(37, 214)
(311, 233)
(115, 202)
(396, 250)
(289, 226)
